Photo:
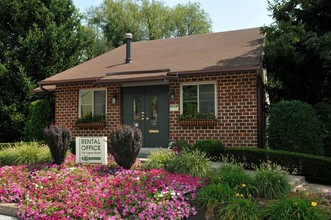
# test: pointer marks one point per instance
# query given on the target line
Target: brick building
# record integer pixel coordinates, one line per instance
(162, 86)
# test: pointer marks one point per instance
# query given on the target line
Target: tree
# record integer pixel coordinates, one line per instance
(38, 39)
(298, 50)
(147, 20)
(190, 19)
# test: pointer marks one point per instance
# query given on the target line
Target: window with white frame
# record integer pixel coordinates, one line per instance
(198, 98)
(92, 101)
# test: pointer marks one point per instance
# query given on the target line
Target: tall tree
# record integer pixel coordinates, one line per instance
(147, 20)
(298, 50)
(190, 19)
(38, 39)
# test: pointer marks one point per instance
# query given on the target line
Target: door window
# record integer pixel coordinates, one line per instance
(154, 111)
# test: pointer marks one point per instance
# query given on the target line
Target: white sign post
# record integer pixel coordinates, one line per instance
(91, 150)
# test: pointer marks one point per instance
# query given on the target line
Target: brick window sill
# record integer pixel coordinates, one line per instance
(93, 125)
(198, 122)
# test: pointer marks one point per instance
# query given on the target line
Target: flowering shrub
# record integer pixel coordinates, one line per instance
(97, 192)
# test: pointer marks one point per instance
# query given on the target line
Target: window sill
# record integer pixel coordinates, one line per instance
(198, 122)
(93, 125)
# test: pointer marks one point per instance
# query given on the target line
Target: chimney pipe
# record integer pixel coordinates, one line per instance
(128, 38)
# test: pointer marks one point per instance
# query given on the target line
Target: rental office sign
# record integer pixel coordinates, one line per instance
(91, 150)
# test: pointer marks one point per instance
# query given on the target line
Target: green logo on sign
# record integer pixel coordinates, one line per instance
(85, 158)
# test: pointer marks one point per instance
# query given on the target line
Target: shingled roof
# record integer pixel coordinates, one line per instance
(214, 52)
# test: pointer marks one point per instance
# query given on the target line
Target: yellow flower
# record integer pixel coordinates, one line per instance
(314, 204)
(239, 195)
(243, 185)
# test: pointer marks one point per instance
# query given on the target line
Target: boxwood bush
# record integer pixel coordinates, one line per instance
(294, 126)
(212, 148)
(316, 169)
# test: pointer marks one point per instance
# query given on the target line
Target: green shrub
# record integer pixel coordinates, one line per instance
(293, 209)
(324, 114)
(57, 139)
(316, 169)
(294, 126)
(192, 163)
(39, 117)
(212, 197)
(125, 142)
(271, 182)
(160, 158)
(239, 209)
(212, 148)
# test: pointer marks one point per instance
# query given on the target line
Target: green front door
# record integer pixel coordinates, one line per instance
(147, 108)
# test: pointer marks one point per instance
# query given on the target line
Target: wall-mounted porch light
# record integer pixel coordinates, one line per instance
(113, 98)
(172, 95)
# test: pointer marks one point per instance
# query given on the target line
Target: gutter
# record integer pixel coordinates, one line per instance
(45, 90)
(209, 71)
(72, 81)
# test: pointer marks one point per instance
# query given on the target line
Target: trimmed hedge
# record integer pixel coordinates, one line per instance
(294, 126)
(212, 148)
(316, 169)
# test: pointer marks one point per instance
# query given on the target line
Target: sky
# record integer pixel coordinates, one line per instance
(225, 15)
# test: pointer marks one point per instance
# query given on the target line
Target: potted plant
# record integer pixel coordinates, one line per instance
(198, 119)
(91, 121)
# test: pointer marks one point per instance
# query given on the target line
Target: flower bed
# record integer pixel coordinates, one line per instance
(95, 191)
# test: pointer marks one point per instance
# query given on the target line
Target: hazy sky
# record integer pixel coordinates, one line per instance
(225, 14)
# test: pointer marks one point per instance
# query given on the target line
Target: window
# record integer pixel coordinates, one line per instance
(198, 98)
(92, 102)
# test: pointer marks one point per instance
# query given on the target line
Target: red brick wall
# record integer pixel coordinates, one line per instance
(237, 123)
(66, 109)
(237, 99)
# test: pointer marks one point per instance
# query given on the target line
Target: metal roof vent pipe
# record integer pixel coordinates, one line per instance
(128, 38)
